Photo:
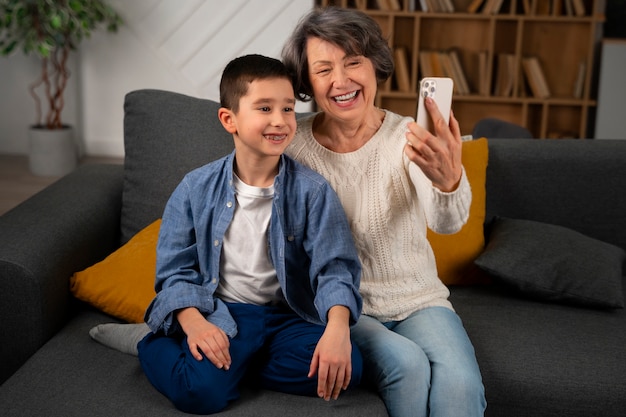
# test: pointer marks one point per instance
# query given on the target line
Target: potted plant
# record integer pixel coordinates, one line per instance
(50, 30)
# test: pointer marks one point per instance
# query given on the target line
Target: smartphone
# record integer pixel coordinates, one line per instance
(440, 90)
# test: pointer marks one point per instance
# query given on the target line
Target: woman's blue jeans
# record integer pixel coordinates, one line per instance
(424, 365)
(273, 347)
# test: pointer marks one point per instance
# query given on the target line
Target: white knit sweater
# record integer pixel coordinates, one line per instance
(389, 202)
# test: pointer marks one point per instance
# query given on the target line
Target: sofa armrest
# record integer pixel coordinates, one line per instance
(68, 226)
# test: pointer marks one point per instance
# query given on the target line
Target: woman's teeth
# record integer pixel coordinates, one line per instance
(346, 97)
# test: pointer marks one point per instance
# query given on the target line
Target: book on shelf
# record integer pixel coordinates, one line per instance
(428, 5)
(436, 65)
(542, 7)
(499, 77)
(483, 68)
(361, 4)
(446, 67)
(553, 7)
(446, 6)
(505, 75)
(429, 64)
(548, 7)
(444, 64)
(569, 8)
(579, 85)
(531, 80)
(545, 89)
(535, 77)
(382, 5)
(393, 5)
(459, 75)
(424, 63)
(579, 7)
(452, 71)
(529, 6)
(402, 69)
(474, 6)
(437, 6)
(492, 7)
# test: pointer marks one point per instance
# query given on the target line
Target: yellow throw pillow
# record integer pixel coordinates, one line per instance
(122, 285)
(455, 253)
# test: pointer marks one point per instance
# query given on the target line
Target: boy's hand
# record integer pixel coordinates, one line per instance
(332, 359)
(205, 337)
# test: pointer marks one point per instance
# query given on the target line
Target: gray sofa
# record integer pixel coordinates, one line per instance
(541, 353)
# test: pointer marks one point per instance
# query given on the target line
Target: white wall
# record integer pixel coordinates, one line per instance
(610, 122)
(165, 44)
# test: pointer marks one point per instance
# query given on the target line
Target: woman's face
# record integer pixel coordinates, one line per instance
(344, 87)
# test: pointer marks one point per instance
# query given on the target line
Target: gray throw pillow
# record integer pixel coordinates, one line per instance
(554, 263)
(166, 135)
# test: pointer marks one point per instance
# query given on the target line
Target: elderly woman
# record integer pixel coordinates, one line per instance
(394, 179)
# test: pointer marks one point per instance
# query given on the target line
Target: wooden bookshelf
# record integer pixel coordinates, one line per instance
(562, 36)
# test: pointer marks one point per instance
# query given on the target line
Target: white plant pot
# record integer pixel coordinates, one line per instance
(52, 152)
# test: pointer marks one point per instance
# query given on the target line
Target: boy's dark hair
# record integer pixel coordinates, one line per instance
(241, 71)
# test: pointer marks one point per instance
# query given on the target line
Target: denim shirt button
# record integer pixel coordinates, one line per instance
(216, 242)
(214, 281)
(229, 204)
(290, 238)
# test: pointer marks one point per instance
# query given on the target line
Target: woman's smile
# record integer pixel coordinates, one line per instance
(346, 97)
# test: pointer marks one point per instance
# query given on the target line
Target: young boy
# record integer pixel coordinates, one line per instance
(257, 272)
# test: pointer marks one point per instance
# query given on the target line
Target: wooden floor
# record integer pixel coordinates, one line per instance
(17, 183)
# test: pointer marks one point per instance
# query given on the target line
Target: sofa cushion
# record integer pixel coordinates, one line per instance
(455, 253)
(72, 375)
(554, 263)
(574, 183)
(122, 284)
(166, 135)
(544, 359)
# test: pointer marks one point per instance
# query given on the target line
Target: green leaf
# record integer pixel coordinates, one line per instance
(9, 48)
(55, 21)
(8, 19)
(43, 50)
(76, 6)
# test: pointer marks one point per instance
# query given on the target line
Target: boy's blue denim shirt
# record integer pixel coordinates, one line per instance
(310, 246)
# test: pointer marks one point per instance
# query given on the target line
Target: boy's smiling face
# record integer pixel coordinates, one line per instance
(266, 121)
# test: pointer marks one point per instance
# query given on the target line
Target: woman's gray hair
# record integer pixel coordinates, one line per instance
(351, 30)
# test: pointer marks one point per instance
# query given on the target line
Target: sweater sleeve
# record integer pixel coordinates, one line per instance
(446, 212)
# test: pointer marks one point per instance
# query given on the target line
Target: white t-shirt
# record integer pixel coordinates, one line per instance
(247, 274)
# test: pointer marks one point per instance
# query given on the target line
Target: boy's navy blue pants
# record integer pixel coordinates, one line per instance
(273, 346)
